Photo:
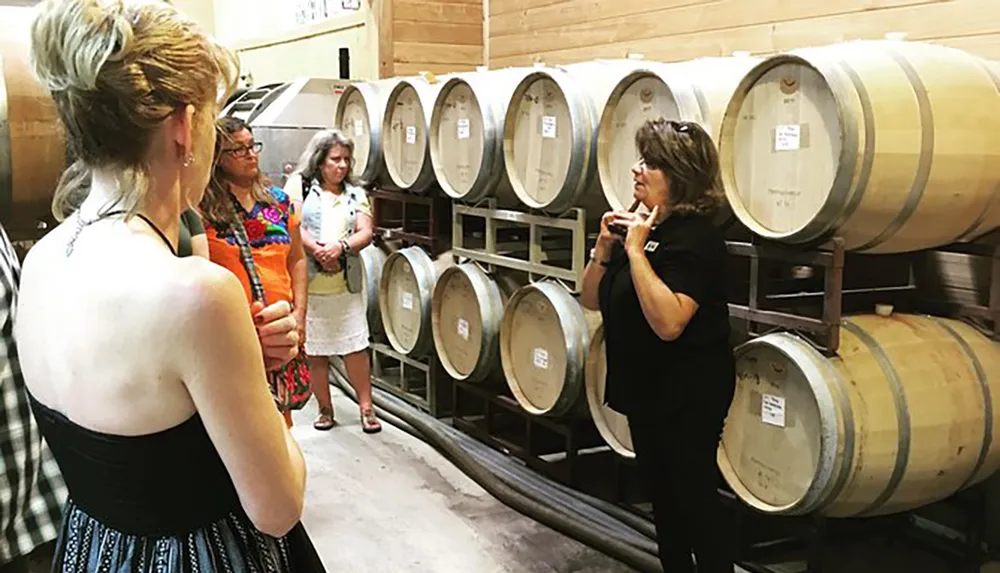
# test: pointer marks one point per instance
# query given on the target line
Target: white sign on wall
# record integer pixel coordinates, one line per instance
(312, 11)
(309, 11)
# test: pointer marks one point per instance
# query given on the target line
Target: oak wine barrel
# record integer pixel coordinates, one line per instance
(905, 415)
(891, 145)
(466, 137)
(466, 312)
(33, 151)
(550, 135)
(612, 425)
(404, 298)
(372, 262)
(405, 125)
(359, 115)
(544, 339)
(697, 91)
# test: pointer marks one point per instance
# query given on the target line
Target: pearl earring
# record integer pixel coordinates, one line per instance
(189, 160)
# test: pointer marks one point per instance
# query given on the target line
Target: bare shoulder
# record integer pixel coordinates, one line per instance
(202, 292)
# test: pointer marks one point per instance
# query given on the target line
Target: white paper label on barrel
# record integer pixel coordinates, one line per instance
(463, 328)
(541, 358)
(549, 126)
(772, 410)
(408, 301)
(359, 128)
(787, 137)
(411, 134)
(463, 129)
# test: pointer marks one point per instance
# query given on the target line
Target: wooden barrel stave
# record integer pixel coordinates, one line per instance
(882, 146)
(372, 262)
(404, 297)
(612, 425)
(544, 340)
(466, 135)
(359, 115)
(405, 128)
(904, 416)
(33, 151)
(550, 135)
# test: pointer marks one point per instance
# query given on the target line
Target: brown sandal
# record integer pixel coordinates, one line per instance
(325, 419)
(370, 423)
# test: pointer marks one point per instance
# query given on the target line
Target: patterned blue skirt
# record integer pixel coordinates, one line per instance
(230, 545)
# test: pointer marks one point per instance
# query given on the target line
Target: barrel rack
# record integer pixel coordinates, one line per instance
(824, 331)
(545, 248)
(421, 382)
(412, 219)
(556, 448)
(986, 317)
(817, 316)
(569, 230)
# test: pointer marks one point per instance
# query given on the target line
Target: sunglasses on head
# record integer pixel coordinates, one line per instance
(680, 126)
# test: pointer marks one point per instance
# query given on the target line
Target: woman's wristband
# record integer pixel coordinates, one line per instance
(593, 257)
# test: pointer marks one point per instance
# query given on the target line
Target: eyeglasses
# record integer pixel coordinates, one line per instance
(244, 150)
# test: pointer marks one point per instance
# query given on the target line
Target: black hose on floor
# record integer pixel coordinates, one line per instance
(552, 493)
(630, 518)
(581, 529)
(598, 511)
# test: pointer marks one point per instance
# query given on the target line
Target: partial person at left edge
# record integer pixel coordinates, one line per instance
(34, 491)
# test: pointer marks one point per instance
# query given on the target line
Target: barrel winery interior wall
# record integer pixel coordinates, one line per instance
(565, 31)
(386, 38)
(312, 51)
(430, 36)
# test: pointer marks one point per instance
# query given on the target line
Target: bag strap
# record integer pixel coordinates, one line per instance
(246, 255)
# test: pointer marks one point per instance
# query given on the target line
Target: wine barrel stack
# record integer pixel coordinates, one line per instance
(540, 140)
(890, 147)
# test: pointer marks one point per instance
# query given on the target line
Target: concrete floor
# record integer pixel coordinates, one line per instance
(390, 503)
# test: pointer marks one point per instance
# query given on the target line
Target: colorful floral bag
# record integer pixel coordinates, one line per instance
(289, 384)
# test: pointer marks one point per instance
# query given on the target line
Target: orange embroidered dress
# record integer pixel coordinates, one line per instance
(268, 228)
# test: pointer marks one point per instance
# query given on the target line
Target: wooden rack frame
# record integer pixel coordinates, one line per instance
(986, 318)
(574, 221)
(481, 412)
(825, 331)
(429, 390)
(422, 219)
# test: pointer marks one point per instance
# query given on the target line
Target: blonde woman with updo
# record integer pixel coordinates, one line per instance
(143, 369)
(336, 224)
(659, 280)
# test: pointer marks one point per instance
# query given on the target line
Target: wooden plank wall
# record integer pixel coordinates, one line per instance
(566, 31)
(430, 36)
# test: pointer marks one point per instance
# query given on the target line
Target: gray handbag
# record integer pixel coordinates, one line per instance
(353, 271)
(351, 262)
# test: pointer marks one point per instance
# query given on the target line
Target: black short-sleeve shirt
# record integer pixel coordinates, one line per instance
(688, 253)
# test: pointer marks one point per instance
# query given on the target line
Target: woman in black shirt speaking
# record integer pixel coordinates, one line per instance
(659, 281)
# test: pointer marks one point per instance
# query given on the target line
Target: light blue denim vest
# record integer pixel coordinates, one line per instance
(312, 217)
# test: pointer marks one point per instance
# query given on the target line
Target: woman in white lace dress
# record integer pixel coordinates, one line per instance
(336, 224)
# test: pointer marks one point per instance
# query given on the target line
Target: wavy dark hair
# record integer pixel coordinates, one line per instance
(311, 161)
(686, 154)
(214, 206)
